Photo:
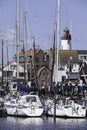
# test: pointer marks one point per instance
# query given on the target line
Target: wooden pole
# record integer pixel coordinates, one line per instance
(54, 116)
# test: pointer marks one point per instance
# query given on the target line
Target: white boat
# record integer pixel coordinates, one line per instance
(26, 105)
(68, 108)
(2, 96)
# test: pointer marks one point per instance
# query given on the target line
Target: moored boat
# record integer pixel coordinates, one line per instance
(66, 108)
(26, 105)
(2, 96)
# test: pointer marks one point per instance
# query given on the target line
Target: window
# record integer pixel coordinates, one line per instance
(21, 74)
(21, 59)
(82, 57)
(13, 67)
(37, 59)
(29, 57)
(46, 58)
(31, 99)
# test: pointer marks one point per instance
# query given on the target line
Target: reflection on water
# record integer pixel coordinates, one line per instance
(68, 124)
(25, 121)
(15, 123)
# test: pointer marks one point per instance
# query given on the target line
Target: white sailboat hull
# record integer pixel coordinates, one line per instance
(78, 111)
(25, 108)
(31, 112)
(67, 111)
(67, 108)
(59, 111)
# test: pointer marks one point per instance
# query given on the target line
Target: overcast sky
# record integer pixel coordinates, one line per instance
(41, 18)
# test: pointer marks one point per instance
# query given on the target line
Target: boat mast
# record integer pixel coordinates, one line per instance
(2, 63)
(57, 53)
(58, 40)
(7, 64)
(25, 42)
(17, 36)
(58, 33)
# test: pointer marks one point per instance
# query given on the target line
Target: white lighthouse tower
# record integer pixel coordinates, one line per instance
(66, 40)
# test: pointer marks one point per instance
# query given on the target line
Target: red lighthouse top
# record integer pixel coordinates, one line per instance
(67, 35)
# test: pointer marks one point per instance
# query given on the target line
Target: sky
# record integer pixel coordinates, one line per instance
(41, 19)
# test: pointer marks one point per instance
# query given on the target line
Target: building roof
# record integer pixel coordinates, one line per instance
(29, 52)
(68, 55)
(82, 51)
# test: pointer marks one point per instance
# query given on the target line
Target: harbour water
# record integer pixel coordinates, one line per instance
(43, 123)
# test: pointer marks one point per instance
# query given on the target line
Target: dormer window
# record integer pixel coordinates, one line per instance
(13, 67)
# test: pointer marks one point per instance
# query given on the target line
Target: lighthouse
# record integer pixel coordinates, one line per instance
(66, 40)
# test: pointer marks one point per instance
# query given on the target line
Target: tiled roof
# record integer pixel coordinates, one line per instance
(8, 63)
(82, 51)
(29, 52)
(68, 55)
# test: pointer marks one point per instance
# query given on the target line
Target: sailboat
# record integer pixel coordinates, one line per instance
(60, 107)
(66, 107)
(23, 105)
(27, 105)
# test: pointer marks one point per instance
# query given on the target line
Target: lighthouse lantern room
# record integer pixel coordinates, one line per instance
(66, 40)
